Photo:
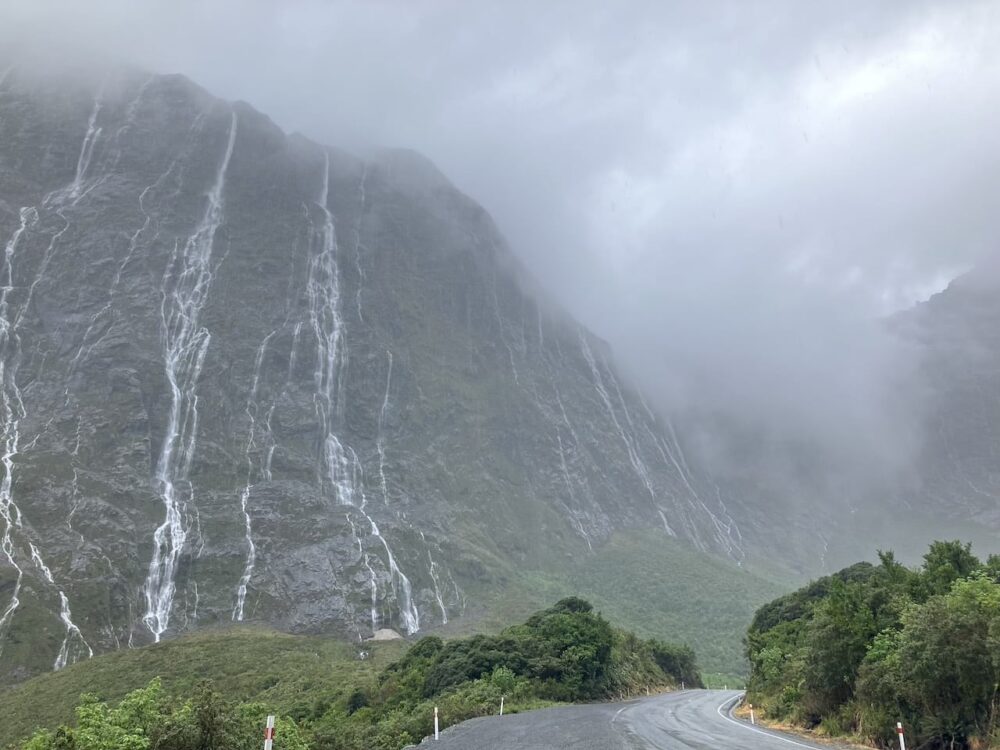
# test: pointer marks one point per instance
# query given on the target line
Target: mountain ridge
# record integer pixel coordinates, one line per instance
(257, 378)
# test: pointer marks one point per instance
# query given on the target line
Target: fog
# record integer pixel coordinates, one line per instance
(733, 194)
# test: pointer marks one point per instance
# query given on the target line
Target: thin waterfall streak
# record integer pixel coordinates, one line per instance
(87, 150)
(42, 268)
(292, 354)
(571, 512)
(380, 442)
(407, 609)
(185, 344)
(373, 583)
(343, 469)
(432, 569)
(437, 589)
(13, 411)
(357, 241)
(72, 630)
(633, 455)
(65, 614)
(501, 330)
(251, 559)
(85, 349)
(251, 412)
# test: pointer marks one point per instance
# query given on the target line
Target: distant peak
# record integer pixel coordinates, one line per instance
(406, 165)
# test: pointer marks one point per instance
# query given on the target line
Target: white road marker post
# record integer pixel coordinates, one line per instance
(899, 731)
(753, 719)
(501, 704)
(437, 732)
(269, 733)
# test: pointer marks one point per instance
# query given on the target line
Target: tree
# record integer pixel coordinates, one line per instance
(950, 663)
(947, 562)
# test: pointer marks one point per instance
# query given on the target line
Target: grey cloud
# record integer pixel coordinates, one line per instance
(732, 193)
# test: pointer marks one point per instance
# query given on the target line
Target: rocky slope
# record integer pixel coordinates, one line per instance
(957, 335)
(249, 377)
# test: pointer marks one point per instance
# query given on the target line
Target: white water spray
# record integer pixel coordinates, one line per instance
(434, 578)
(185, 288)
(87, 151)
(633, 454)
(251, 412)
(13, 411)
(343, 469)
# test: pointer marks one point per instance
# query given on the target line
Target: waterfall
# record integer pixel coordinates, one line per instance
(185, 343)
(343, 470)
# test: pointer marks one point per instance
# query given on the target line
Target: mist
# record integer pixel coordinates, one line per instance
(734, 195)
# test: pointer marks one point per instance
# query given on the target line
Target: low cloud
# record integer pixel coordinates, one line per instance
(733, 194)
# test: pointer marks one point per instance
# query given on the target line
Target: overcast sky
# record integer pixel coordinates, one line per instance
(732, 193)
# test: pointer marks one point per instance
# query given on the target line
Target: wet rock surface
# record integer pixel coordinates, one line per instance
(250, 378)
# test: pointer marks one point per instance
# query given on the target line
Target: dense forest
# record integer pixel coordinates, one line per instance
(564, 653)
(855, 652)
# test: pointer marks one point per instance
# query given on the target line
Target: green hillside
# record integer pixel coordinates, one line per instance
(214, 690)
(655, 586)
(248, 664)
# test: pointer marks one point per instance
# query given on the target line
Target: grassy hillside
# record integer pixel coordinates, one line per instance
(248, 664)
(654, 586)
(335, 696)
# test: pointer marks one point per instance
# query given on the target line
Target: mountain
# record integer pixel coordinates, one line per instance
(957, 336)
(247, 377)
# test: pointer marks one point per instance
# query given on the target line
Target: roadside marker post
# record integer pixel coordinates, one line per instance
(501, 705)
(899, 731)
(269, 733)
(437, 733)
(753, 719)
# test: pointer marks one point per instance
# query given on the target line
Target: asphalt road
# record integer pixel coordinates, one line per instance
(688, 720)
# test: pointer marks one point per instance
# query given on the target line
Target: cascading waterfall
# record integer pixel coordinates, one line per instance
(251, 412)
(72, 631)
(407, 609)
(434, 579)
(674, 457)
(724, 531)
(185, 288)
(633, 454)
(344, 472)
(572, 494)
(13, 410)
(364, 558)
(87, 151)
(561, 421)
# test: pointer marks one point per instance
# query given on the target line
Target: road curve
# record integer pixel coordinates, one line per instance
(687, 720)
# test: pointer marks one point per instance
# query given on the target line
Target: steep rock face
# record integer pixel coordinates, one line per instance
(957, 334)
(248, 377)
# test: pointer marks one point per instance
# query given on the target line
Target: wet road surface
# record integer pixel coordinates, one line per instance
(687, 720)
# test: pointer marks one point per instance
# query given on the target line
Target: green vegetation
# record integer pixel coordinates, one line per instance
(654, 586)
(329, 699)
(872, 645)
